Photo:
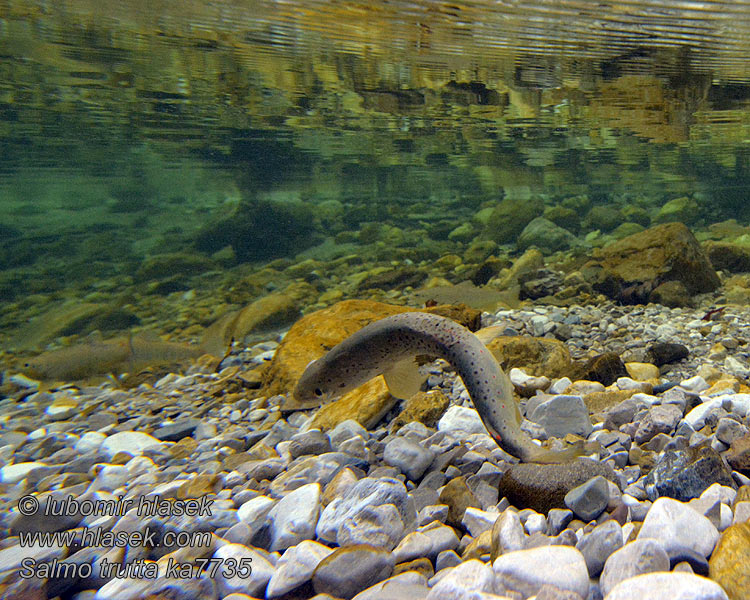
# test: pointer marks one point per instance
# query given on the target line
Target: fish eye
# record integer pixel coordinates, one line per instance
(318, 392)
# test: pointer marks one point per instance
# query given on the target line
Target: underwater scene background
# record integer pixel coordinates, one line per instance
(406, 300)
(165, 162)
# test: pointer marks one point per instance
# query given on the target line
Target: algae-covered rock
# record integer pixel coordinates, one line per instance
(536, 356)
(671, 293)
(261, 229)
(604, 217)
(424, 407)
(564, 217)
(546, 235)
(641, 262)
(508, 219)
(173, 263)
(728, 257)
(684, 210)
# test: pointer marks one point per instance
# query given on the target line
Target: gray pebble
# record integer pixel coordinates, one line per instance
(348, 571)
(409, 456)
(589, 499)
(597, 545)
(634, 558)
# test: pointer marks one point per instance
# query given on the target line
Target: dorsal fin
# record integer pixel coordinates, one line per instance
(404, 379)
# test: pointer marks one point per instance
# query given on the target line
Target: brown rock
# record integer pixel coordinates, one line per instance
(424, 407)
(480, 546)
(457, 495)
(314, 334)
(536, 356)
(604, 368)
(644, 260)
(729, 565)
(672, 294)
(366, 404)
(420, 565)
(727, 256)
(199, 485)
(394, 278)
(542, 487)
(738, 455)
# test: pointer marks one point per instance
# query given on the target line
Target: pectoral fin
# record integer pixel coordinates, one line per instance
(404, 379)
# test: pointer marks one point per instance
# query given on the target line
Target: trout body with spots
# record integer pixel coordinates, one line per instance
(389, 347)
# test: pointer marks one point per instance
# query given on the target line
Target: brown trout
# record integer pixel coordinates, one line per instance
(389, 346)
(103, 357)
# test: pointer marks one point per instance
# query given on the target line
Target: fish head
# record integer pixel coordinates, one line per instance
(36, 368)
(317, 386)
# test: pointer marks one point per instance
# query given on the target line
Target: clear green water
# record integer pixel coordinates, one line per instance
(240, 133)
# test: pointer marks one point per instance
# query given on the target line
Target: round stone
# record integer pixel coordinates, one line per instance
(348, 571)
(667, 586)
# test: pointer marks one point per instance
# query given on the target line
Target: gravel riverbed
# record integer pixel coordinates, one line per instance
(193, 487)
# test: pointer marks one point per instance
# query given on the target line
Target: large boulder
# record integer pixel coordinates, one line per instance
(630, 269)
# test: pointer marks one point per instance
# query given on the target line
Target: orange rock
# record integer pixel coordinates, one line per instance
(314, 334)
(366, 404)
(536, 356)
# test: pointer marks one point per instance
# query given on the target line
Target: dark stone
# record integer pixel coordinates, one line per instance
(685, 474)
(660, 388)
(349, 570)
(539, 283)
(42, 522)
(510, 217)
(176, 431)
(664, 353)
(738, 455)
(671, 293)
(697, 562)
(726, 256)
(621, 413)
(543, 487)
(396, 278)
(588, 500)
(604, 368)
(259, 230)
